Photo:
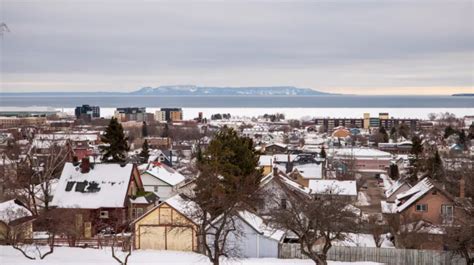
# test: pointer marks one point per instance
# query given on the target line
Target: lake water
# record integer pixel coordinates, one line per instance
(292, 106)
(243, 101)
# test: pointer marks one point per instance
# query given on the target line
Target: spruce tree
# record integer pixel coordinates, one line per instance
(435, 167)
(117, 148)
(393, 134)
(145, 153)
(416, 151)
(323, 153)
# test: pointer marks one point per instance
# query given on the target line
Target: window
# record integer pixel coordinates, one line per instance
(137, 212)
(421, 207)
(104, 214)
(447, 213)
(155, 188)
(283, 203)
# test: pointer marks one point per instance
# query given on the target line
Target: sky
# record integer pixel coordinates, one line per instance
(346, 46)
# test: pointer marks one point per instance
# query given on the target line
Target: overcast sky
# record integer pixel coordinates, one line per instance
(358, 47)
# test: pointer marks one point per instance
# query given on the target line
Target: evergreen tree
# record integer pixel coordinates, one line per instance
(435, 167)
(403, 130)
(323, 153)
(462, 139)
(448, 131)
(394, 173)
(416, 151)
(144, 130)
(117, 148)
(393, 133)
(384, 134)
(165, 132)
(145, 153)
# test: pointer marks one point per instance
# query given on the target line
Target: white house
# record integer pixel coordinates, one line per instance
(161, 179)
(253, 238)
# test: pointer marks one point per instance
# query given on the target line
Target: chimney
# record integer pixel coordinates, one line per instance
(275, 171)
(85, 165)
(462, 188)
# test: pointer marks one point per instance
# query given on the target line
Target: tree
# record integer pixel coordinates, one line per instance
(165, 132)
(393, 171)
(383, 135)
(459, 238)
(448, 131)
(434, 166)
(317, 223)
(403, 130)
(228, 182)
(376, 231)
(145, 153)
(416, 151)
(144, 129)
(462, 139)
(117, 148)
(393, 134)
(323, 153)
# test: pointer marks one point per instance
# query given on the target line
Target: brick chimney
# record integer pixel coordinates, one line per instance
(275, 171)
(462, 188)
(85, 165)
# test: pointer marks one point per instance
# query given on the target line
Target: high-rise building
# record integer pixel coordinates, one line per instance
(132, 114)
(169, 114)
(87, 111)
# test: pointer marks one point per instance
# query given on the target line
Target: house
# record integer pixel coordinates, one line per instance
(427, 202)
(276, 148)
(252, 237)
(396, 188)
(275, 186)
(97, 194)
(161, 179)
(15, 220)
(168, 157)
(324, 187)
(364, 160)
(302, 174)
(167, 226)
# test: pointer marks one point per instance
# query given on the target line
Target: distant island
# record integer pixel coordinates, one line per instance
(190, 90)
(463, 95)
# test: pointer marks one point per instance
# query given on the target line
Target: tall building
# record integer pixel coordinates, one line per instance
(86, 111)
(169, 114)
(132, 114)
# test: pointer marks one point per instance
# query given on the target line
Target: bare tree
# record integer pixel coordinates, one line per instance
(317, 223)
(121, 247)
(376, 230)
(407, 230)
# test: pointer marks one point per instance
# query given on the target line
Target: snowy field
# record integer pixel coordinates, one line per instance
(79, 256)
(305, 113)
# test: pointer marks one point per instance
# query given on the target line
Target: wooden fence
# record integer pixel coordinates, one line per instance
(389, 256)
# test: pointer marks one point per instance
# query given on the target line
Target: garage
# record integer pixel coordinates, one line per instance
(166, 238)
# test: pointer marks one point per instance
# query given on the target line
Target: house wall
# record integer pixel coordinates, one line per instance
(372, 164)
(249, 243)
(164, 228)
(164, 189)
(434, 202)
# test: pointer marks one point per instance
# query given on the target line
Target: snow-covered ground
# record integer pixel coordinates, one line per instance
(305, 113)
(79, 256)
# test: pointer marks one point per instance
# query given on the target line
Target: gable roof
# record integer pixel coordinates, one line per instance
(165, 173)
(104, 186)
(13, 210)
(405, 199)
(256, 222)
(394, 188)
(336, 187)
(310, 171)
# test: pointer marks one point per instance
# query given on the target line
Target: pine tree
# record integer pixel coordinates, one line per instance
(416, 151)
(448, 131)
(394, 173)
(323, 153)
(117, 148)
(165, 132)
(393, 134)
(144, 130)
(435, 167)
(145, 153)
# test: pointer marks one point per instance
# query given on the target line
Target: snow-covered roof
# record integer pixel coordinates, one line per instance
(265, 160)
(256, 222)
(186, 207)
(388, 207)
(104, 186)
(413, 194)
(339, 187)
(362, 153)
(47, 143)
(11, 211)
(310, 171)
(394, 187)
(165, 173)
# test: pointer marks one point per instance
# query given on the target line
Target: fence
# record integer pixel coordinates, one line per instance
(389, 256)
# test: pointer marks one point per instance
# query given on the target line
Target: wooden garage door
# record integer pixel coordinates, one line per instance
(152, 237)
(180, 239)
